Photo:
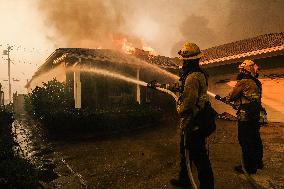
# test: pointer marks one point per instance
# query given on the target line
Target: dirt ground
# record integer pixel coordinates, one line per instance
(149, 158)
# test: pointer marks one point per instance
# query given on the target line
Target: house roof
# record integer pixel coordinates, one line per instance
(253, 48)
(72, 55)
(257, 47)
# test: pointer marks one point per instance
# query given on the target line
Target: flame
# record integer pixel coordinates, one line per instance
(151, 51)
(127, 47)
(124, 45)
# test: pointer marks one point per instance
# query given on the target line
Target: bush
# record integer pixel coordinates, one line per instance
(102, 120)
(52, 104)
(52, 97)
(6, 117)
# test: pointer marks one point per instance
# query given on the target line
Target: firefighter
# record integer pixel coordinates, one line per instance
(246, 95)
(193, 89)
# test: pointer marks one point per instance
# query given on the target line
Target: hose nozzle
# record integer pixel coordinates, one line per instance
(152, 84)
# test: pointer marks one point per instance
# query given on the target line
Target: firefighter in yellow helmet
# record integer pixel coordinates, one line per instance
(246, 95)
(248, 66)
(193, 89)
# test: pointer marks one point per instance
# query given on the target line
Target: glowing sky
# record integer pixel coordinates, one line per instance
(23, 29)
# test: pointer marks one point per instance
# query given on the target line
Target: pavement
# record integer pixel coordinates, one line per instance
(148, 158)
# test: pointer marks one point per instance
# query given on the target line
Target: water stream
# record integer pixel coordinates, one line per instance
(104, 72)
(119, 76)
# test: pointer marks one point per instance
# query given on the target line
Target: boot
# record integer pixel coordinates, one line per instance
(181, 183)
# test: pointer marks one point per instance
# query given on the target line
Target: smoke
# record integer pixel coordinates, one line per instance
(100, 24)
(195, 28)
(254, 17)
(162, 24)
(86, 23)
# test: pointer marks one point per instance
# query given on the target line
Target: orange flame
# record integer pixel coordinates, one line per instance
(127, 47)
(151, 51)
(124, 45)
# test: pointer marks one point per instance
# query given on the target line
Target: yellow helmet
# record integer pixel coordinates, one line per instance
(249, 66)
(246, 64)
(190, 51)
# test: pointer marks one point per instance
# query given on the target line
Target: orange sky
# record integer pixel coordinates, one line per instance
(23, 29)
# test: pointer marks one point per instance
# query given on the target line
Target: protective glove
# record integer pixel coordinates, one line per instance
(218, 97)
(153, 84)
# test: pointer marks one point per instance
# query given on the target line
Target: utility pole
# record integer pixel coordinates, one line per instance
(7, 52)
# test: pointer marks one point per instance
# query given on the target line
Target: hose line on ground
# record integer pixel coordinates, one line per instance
(188, 162)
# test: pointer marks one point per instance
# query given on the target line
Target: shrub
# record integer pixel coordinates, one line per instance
(6, 117)
(52, 104)
(52, 97)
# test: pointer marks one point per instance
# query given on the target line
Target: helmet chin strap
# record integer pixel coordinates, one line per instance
(246, 72)
(250, 71)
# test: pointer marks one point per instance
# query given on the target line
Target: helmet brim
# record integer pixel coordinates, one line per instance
(191, 57)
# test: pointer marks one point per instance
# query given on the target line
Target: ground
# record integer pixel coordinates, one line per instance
(148, 158)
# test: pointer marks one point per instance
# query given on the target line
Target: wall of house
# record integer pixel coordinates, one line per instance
(99, 91)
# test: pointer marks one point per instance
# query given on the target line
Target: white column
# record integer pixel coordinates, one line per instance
(1, 96)
(138, 94)
(77, 88)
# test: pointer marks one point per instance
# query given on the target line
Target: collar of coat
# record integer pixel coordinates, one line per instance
(249, 76)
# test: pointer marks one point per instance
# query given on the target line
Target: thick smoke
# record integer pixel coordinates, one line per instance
(195, 28)
(221, 22)
(252, 18)
(87, 23)
(162, 24)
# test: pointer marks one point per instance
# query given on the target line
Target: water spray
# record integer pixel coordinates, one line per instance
(211, 94)
(119, 76)
(123, 77)
(108, 73)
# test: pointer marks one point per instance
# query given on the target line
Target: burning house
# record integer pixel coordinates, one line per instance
(101, 78)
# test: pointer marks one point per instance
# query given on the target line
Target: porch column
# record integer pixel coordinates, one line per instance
(1, 96)
(77, 88)
(138, 94)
